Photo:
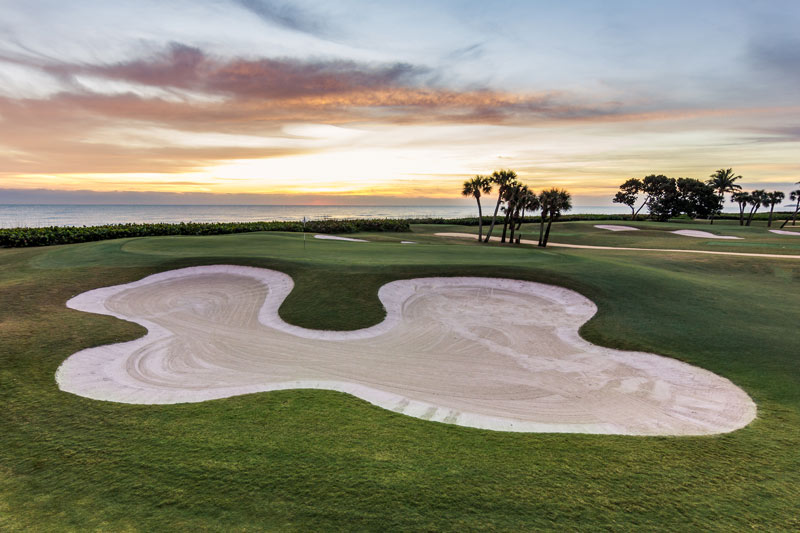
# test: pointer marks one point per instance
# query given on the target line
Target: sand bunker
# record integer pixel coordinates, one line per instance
(336, 238)
(488, 353)
(408, 242)
(701, 234)
(614, 227)
(784, 232)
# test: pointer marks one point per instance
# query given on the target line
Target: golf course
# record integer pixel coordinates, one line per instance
(358, 445)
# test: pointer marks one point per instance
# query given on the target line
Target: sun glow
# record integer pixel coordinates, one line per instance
(351, 171)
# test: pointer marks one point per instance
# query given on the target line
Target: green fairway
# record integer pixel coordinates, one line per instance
(752, 239)
(310, 460)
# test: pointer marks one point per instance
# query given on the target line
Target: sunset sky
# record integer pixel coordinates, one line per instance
(254, 101)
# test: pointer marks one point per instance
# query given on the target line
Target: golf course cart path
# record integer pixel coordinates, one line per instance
(623, 248)
(489, 353)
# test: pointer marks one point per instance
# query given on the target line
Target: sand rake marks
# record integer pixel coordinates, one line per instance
(489, 353)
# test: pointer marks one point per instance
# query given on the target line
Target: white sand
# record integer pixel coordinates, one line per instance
(408, 242)
(614, 227)
(488, 353)
(784, 232)
(701, 234)
(628, 248)
(337, 238)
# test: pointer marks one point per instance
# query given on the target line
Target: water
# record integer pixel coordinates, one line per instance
(12, 216)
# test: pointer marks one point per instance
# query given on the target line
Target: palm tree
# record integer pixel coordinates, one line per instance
(795, 197)
(544, 204)
(773, 198)
(722, 181)
(757, 199)
(474, 187)
(502, 178)
(742, 198)
(529, 203)
(520, 200)
(513, 196)
(554, 201)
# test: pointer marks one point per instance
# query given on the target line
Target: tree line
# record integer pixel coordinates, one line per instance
(515, 199)
(669, 197)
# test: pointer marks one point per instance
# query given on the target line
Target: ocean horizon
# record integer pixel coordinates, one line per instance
(44, 215)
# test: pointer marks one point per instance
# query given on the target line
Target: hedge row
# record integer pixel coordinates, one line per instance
(21, 237)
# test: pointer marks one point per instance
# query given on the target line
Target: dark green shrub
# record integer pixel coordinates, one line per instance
(21, 237)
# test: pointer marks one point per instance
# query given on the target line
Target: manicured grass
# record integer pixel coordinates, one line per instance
(754, 239)
(320, 460)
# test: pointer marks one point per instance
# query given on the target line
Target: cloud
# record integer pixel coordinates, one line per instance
(186, 87)
(778, 55)
(286, 16)
(183, 110)
(466, 53)
(187, 67)
(777, 134)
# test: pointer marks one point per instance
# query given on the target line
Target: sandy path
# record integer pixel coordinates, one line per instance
(702, 234)
(622, 248)
(337, 238)
(489, 353)
(615, 227)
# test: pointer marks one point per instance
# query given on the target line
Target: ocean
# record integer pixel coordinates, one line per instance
(25, 215)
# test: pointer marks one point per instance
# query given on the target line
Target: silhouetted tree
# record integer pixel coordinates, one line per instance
(502, 178)
(662, 196)
(722, 181)
(795, 197)
(511, 197)
(742, 198)
(627, 195)
(697, 199)
(475, 187)
(553, 202)
(529, 203)
(515, 204)
(772, 199)
(757, 199)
